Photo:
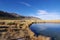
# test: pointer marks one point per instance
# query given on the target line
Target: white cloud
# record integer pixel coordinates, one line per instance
(43, 12)
(44, 15)
(26, 4)
(49, 17)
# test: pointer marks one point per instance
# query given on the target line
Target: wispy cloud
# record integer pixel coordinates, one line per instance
(26, 4)
(42, 12)
(45, 15)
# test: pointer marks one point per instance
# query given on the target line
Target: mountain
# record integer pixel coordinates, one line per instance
(6, 15)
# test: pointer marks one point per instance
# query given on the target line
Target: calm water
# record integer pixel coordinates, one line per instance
(46, 29)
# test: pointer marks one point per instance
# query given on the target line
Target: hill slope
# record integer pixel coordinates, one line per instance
(6, 15)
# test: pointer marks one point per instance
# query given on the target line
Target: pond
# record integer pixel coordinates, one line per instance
(47, 29)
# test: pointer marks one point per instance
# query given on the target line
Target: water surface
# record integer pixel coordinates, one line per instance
(47, 29)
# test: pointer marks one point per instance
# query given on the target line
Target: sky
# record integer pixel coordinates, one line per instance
(43, 9)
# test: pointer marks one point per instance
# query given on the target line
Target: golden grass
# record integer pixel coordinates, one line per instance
(25, 28)
(54, 21)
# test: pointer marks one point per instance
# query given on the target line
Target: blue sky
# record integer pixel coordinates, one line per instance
(44, 9)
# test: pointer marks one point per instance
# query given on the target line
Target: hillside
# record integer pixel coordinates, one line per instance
(14, 16)
(6, 15)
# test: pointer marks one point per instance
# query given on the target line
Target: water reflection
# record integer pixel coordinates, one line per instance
(47, 29)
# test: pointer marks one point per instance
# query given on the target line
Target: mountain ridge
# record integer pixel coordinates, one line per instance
(6, 15)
